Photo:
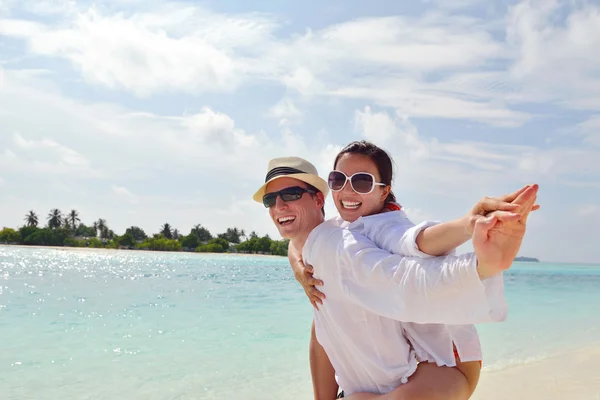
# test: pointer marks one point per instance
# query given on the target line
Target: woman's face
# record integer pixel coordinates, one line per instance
(352, 205)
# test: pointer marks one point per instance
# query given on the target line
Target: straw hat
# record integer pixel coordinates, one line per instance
(292, 167)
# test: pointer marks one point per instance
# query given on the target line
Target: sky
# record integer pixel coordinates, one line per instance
(147, 112)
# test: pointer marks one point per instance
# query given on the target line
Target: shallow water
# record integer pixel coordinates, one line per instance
(147, 325)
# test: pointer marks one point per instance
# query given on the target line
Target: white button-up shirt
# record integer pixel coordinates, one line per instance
(378, 302)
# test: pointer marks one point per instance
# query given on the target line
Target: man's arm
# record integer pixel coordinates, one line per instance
(304, 276)
(325, 386)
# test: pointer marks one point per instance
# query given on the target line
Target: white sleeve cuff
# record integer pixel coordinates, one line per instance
(494, 291)
(409, 244)
(491, 294)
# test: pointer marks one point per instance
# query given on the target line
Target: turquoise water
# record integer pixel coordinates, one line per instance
(138, 325)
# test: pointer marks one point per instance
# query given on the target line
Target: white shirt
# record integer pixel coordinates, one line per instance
(378, 301)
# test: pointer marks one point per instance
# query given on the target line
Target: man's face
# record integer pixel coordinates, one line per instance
(296, 217)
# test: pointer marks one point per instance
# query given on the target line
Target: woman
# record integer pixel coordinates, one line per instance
(361, 186)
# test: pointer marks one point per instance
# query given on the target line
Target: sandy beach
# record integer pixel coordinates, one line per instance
(571, 376)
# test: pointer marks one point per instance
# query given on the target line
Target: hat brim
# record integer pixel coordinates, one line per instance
(311, 179)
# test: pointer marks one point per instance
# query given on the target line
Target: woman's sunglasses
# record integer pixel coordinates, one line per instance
(288, 194)
(361, 182)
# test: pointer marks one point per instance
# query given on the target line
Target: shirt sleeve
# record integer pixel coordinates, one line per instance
(399, 236)
(408, 244)
(443, 290)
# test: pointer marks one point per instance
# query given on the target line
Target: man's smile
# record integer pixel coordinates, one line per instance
(286, 220)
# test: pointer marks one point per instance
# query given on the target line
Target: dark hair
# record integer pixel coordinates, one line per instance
(382, 161)
(311, 187)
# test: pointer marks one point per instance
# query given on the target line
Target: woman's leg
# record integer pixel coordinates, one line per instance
(431, 382)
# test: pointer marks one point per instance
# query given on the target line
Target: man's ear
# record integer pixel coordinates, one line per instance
(320, 199)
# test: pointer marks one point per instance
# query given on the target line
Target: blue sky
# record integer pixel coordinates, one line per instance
(146, 112)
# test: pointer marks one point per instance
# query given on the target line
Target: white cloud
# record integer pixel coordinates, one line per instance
(419, 99)
(181, 48)
(588, 210)
(176, 48)
(5, 6)
(453, 4)
(392, 60)
(50, 7)
(557, 59)
(45, 156)
(494, 162)
(285, 111)
(303, 80)
(438, 65)
(378, 127)
(591, 130)
(123, 192)
(432, 43)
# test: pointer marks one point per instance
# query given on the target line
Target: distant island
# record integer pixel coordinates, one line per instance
(528, 259)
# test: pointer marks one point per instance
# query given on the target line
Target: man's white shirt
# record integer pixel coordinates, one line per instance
(389, 305)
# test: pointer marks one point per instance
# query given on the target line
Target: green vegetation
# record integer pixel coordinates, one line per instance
(68, 230)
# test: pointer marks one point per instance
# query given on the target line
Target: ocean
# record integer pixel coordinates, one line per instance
(79, 324)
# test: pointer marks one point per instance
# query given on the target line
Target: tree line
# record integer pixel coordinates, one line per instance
(68, 230)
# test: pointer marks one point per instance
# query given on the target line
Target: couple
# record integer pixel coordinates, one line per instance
(395, 316)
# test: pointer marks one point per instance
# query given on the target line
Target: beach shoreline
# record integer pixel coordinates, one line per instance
(103, 249)
(573, 375)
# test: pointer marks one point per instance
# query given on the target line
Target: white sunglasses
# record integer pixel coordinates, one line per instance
(361, 182)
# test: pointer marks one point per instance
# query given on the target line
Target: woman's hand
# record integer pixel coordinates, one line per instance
(487, 205)
(304, 275)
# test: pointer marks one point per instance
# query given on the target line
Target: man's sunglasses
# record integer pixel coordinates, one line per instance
(361, 182)
(288, 194)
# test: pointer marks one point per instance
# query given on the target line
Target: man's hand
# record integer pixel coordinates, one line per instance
(488, 205)
(497, 238)
(304, 275)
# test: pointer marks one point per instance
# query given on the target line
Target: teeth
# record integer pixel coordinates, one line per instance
(286, 219)
(350, 204)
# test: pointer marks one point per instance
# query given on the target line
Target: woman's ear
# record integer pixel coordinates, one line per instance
(385, 192)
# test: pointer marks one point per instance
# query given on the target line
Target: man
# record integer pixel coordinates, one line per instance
(295, 196)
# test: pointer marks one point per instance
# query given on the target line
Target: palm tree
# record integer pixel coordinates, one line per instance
(73, 218)
(54, 218)
(202, 233)
(101, 226)
(175, 234)
(31, 218)
(166, 231)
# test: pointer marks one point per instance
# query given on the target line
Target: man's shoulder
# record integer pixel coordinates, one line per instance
(321, 234)
(326, 227)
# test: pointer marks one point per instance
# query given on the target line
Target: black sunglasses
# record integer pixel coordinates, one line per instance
(288, 194)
